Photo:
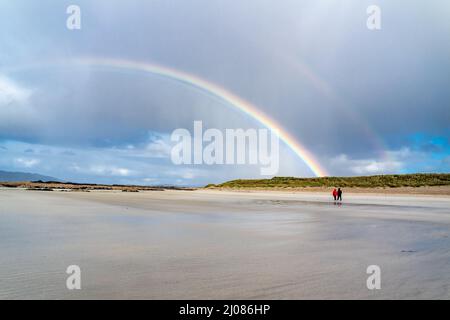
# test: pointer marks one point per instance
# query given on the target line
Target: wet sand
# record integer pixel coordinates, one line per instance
(222, 245)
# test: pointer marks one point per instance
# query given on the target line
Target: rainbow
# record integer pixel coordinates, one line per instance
(215, 91)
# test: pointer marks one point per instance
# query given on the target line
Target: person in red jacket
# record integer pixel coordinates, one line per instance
(334, 194)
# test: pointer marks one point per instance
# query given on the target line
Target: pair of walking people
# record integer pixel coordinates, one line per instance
(337, 194)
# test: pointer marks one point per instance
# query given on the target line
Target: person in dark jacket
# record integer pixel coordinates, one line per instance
(339, 194)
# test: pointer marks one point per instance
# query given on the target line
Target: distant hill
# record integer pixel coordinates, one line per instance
(380, 181)
(6, 176)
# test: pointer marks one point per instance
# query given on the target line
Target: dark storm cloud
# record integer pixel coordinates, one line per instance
(312, 65)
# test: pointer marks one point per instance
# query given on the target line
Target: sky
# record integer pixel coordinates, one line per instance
(361, 101)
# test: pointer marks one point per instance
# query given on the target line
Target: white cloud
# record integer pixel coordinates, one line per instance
(110, 170)
(103, 170)
(17, 114)
(159, 149)
(11, 93)
(343, 164)
(188, 175)
(27, 163)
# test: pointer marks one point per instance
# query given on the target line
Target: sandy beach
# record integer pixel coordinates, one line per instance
(210, 244)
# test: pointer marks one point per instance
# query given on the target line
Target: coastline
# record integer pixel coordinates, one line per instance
(419, 191)
(382, 191)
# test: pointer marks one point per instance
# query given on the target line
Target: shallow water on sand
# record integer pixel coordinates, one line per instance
(195, 245)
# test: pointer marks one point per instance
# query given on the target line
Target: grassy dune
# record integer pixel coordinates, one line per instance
(380, 181)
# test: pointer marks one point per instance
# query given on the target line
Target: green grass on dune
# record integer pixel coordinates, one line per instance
(380, 181)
